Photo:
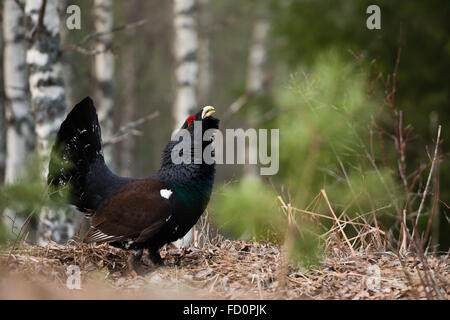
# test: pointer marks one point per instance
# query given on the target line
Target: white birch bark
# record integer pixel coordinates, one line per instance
(66, 56)
(20, 137)
(186, 70)
(204, 81)
(257, 56)
(46, 83)
(2, 121)
(204, 54)
(255, 76)
(104, 73)
(47, 98)
(185, 50)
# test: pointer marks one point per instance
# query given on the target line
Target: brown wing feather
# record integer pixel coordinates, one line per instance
(136, 210)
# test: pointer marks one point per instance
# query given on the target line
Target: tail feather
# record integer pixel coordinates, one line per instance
(77, 169)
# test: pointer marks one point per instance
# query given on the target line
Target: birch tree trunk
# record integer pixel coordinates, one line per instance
(128, 111)
(257, 56)
(185, 50)
(2, 120)
(2, 138)
(48, 98)
(186, 71)
(104, 72)
(256, 77)
(46, 83)
(66, 57)
(204, 54)
(20, 137)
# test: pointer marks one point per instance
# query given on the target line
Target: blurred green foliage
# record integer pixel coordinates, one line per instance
(249, 209)
(29, 192)
(418, 30)
(324, 116)
(339, 76)
(320, 112)
(306, 248)
(5, 235)
(26, 198)
(325, 120)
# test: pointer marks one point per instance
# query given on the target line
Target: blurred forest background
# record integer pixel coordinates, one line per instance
(358, 109)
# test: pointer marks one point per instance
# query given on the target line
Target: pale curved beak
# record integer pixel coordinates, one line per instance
(208, 111)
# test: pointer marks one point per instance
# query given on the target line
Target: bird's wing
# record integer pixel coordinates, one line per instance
(137, 210)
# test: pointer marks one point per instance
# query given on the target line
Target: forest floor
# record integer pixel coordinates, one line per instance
(233, 270)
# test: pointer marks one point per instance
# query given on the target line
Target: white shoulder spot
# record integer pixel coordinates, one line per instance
(165, 193)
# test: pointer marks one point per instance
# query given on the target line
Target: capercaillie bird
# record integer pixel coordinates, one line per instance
(133, 214)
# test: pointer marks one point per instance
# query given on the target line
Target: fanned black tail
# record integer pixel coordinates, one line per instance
(77, 170)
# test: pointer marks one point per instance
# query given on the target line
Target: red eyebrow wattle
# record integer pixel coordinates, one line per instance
(190, 119)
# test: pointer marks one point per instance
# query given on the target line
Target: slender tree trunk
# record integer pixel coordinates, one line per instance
(204, 54)
(186, 71)
(204, 80)
(2, 119)
(256, 77)
(104, 73)
(20, 137)
(2, 138)
(128, 111)
(46, 83)
(186, 50)
(48, 98)
(20, 130)
(257, 56)
(67, 57)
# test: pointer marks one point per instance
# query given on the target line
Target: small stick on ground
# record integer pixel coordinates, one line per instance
(337, 220)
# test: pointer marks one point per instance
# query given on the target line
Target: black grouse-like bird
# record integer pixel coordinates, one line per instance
(133, 214)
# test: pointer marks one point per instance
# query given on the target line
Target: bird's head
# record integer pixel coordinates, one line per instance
(171, 169)
(205, 116)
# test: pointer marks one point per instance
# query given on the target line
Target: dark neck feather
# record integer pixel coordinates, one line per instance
(184, 174)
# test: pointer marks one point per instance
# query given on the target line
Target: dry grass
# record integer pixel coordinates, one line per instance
(353, 267)
(233, 270)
